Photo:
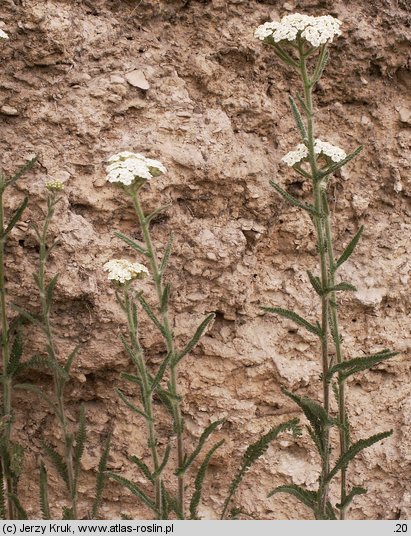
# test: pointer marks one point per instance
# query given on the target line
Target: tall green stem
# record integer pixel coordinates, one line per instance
(52, 352)
(7, 389)
(319, 219)
(147, 396)
(158, 281)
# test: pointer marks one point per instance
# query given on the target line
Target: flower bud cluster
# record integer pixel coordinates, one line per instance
(315, 30)
(126, 167)
(54, 186)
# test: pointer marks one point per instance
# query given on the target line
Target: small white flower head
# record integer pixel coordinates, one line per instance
(3, 35)
(126, 168)
(122, 271)
(296, 156)
(54, 186)
(323, 148)
(315, 30)
(331, 151)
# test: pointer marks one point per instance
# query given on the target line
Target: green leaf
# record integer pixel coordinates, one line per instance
(16, 216)
(80, 443)
(316, 283)
(298, 119)
(132, 243)
(143, 468)
(358, 364)
(341, 163)
(164, 461)
(255, 451)
(160, 373)
(349, 249)
(131, 405)
(44, 495)
(40, 393)
(21, 512)
(316, 415)
(194, 340)
(293, 200)
(165, 298)
(203, 438)
(290, 315)
(135, 490)
(71, 358)
(34, 319)
(167, 253)
(199, 480)
(131, 378)
(67, 514)
(130, 353)
(342, 287)
(348, 499)
(304, 106)
(321, 64)
(151, 315)
(354, 450)
(16, 353)
(21, 172)
(2, 498)
(101, 476)
(309, 498)
(50, 288)
(58, 462)
(157, 212)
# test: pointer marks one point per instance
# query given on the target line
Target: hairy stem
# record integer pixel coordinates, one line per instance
(58, 384)
(158, 280)
(147, 396)
(7, 388)
(318, 218)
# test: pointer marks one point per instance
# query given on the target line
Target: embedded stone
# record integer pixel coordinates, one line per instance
(137, 79)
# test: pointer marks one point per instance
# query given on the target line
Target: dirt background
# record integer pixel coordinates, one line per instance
(216, 115)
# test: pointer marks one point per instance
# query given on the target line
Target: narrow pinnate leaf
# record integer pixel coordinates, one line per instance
(316, 283)
(165, 298)
(341, 163)
(131, 405)
(196, 337)
(255, 451)
(204, 436)
(34, 319)
(101, 477)
(151, 315)
(57, 461)
(309, 498)
(44, 494)
(164, 461)
(21, 172)
(15, 353)
(349, 249)
(348, 499)
(40, 393)
(71, 358)
(2, 498)
(358, 364)
(50, 289)
(157, 212)
(293, 200)
(135, 490)
(354, 450)
(199, 480)
(343, 287)
(298, 119)
(80, 442)
(167, 253)
(130, 242)
(16, 216)
(160, 374)
(322, 63)
(143, 467)
(295, 318)
(21, 512)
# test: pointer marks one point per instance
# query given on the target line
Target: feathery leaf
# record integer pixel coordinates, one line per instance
(349, 249)
(44, 495)
(16, 216)
(57, 461)
(131, 405)
(131, 243)
(354, 450)
(167, 253)
(101, 476)
(143, 468)
(135, 490)
(355, 491)
(335, 167)
(157, 212)
(316, 283)
(80, 443)
(40, 393)
(293, 200)
(194, 340)
(21, 512)
(151, 315)
(358, 364)
(21, 172)
(290, 315)
(297, 117)
(199, 480)
(309, 498)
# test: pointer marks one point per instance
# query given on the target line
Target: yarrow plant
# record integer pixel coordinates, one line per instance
(163, 384)
(301, 41)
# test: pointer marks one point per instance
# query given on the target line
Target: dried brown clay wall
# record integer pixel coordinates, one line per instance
(216, 114)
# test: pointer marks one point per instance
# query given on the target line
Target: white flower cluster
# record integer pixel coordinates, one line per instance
(315, 30)
(320, 147)
(122, 270)
(3, 35)
(125, 167)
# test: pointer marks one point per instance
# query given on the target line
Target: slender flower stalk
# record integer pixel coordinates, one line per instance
(316, 161)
